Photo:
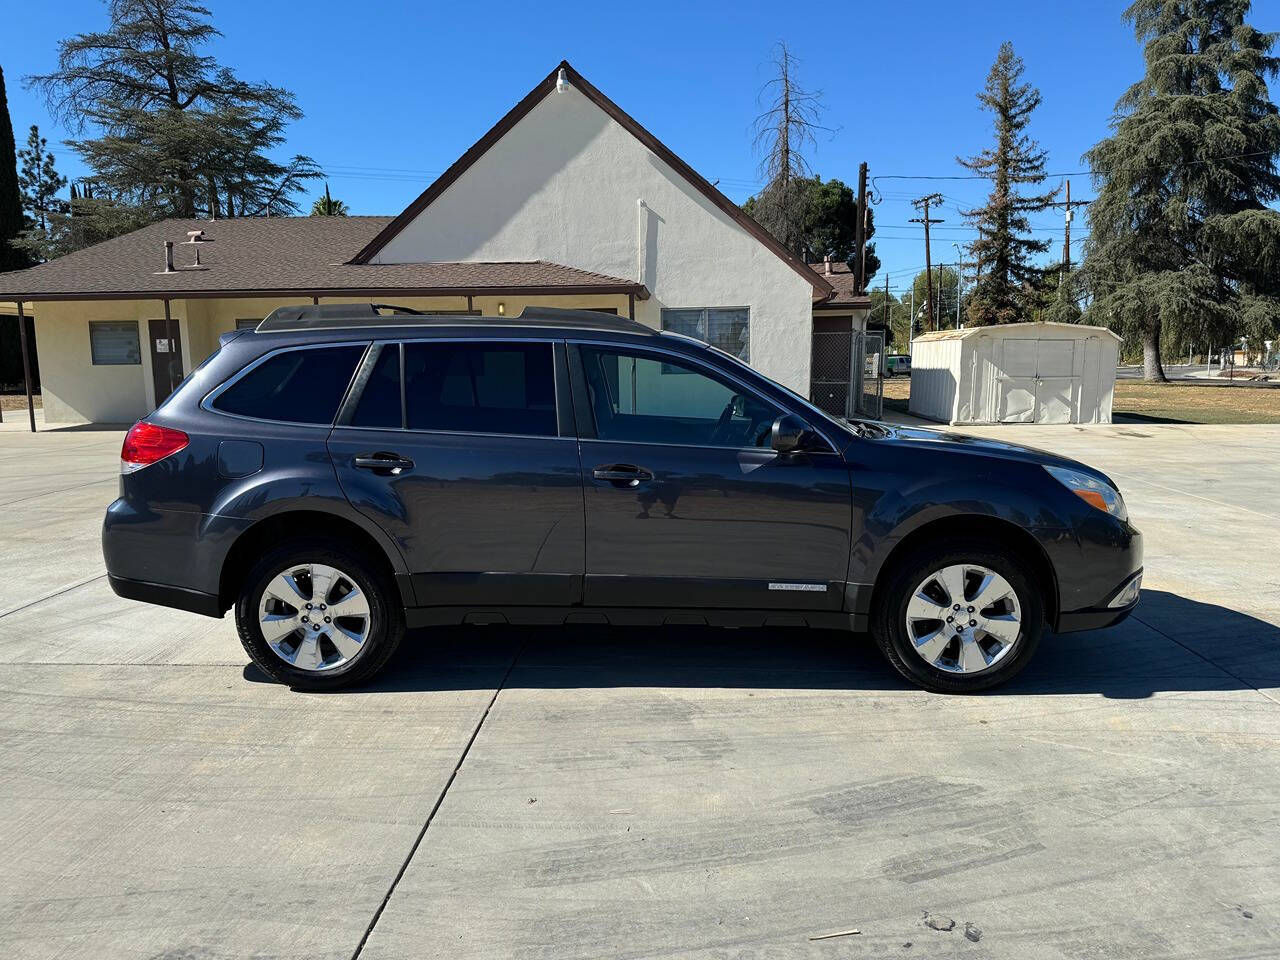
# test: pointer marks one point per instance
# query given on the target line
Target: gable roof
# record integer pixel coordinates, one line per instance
(280, 256)
(821, 288)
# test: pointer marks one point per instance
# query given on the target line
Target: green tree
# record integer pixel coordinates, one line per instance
(177, 134)
(11, 219)
(1005, 247)
(326, 206)
(1182, 248)
(39, 180)
(827, 223)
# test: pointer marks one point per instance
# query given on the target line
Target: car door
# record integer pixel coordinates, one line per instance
(463, 450)
(687, 504)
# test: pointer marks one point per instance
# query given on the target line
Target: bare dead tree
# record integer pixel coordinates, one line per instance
(787, 125)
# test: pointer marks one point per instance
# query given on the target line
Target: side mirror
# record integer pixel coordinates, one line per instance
(788, 432)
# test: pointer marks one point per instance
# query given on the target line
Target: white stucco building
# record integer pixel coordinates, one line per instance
(566, 201)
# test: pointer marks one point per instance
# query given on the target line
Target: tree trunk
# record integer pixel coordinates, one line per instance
(1152, 369)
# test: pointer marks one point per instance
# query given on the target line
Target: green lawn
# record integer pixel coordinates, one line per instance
(1160, 402)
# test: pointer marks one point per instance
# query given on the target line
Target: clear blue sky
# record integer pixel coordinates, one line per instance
(394, 93)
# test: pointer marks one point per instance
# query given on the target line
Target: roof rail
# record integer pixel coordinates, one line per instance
(338, 316)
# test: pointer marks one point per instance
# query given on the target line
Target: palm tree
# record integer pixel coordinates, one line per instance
(326, 206)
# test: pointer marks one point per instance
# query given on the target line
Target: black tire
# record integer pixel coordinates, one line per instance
(386, 615)
(889, 627)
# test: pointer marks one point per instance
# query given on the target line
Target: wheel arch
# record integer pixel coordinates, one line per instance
(982, 527)
(279, 527)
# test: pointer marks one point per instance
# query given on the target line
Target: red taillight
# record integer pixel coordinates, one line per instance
(145, 443)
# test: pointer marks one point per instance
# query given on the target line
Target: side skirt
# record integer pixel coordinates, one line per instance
(634, 617)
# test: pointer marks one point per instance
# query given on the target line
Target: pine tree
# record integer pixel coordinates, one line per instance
(39, 180)
(1005, 247)
(11, 219)
(178, 135)
(1182, 249)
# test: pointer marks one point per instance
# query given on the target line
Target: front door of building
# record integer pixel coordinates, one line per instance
(166, 357)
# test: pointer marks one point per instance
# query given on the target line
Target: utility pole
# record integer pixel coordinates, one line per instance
(1068, 204)
(1066, 240)
(860, 233)
(923, 204)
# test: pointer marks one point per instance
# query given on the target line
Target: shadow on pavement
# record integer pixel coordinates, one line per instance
(1170, 644)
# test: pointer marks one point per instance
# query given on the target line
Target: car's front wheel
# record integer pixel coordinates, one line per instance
(317, 616)
(959, 617)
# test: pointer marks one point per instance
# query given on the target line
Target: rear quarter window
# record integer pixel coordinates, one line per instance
(294, 386)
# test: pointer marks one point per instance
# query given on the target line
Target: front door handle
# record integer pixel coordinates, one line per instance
(622, 474)
(391, 463)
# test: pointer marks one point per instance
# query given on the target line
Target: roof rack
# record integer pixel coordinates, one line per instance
(341, 316)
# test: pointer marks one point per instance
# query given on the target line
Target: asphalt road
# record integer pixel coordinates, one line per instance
(636, 794)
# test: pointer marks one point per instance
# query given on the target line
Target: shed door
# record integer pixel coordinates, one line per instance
(1036, 383)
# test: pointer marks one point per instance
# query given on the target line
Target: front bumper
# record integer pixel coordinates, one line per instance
(1106, 615)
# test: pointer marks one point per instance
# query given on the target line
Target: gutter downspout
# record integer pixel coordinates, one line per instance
(641, 207)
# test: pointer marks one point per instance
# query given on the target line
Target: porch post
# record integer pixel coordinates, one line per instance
(26, 366)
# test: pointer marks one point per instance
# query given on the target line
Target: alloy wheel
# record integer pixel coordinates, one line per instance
(314, 617)
(964, 618)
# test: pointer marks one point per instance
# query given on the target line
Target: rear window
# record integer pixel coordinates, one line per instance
(481, 388)
(296, 386)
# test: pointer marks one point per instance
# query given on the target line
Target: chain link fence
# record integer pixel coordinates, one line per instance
(846, 376)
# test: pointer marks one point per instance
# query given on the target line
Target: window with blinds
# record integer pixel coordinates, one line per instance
(114, 342)
(728, 328)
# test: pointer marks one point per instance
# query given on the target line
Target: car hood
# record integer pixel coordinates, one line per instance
(959, 443)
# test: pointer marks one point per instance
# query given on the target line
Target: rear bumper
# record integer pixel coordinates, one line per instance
(166, 595)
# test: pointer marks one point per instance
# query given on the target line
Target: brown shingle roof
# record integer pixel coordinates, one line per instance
(841, 280)
(279, 256)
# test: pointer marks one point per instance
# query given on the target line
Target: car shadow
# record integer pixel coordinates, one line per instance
(1171, 644)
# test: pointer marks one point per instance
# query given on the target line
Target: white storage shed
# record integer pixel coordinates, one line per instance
(1015, 373)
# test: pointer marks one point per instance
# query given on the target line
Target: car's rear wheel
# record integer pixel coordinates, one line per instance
(318, 616)
(959, 617)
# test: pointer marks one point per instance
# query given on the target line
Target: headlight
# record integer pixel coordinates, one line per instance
(1091, 490)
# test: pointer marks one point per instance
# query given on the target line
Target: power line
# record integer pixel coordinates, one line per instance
(1050, 176)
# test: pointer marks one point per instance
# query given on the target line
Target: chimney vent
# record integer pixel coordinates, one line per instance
(168, 256)
(826, 265)
(195, 236)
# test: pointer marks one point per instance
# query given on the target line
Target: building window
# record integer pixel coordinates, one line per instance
(248, 324)
(114, 343)
(728, 328)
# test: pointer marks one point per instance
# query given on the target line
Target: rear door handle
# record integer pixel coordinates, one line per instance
(384, 462)
(623, 474)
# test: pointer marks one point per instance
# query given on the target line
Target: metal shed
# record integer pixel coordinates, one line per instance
(1015, 373)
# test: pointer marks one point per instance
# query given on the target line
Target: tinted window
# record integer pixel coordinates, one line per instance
(481, 387)
(300, 386)
(636, 399)
(379, 404)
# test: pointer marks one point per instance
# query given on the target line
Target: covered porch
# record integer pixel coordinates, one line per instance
(120, 324)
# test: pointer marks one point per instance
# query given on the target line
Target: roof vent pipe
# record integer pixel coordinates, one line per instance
(826, 264)
(168, 256)
(562, 82)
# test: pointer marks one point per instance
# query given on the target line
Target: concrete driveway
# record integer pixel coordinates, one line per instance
(679, 793)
